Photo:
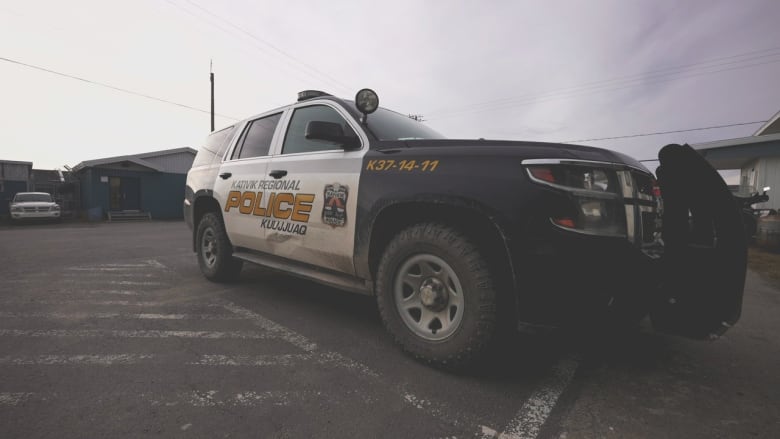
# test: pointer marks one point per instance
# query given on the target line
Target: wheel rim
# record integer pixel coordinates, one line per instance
(208, 244)
(429, 297)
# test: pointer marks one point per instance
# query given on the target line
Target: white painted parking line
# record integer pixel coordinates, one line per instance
(129, 359)
(133, 334)
(439, 411)
(105, 275)
(212, 398)
(115, 315)
(89, 302)
(90, 359)
(246, 360)
(131, 282)
(7, 398)
(272, 327)
(102, 268)
(114, 292)
(533, 414)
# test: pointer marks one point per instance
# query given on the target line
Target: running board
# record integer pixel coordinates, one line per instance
(306, 271)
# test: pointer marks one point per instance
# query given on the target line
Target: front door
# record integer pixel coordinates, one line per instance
(316, 222)
(705, 248)
(124, 193)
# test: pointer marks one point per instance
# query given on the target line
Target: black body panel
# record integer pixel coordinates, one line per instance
(486, 178)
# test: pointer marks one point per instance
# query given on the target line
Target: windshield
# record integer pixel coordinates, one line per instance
(23, 198)
(389, 125)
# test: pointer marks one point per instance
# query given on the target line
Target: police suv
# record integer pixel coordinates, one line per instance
(460, 240)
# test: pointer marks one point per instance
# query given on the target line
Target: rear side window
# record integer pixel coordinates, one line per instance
(256, 140)
(215, 146)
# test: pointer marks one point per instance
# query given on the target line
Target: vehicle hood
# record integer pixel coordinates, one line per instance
(33, 204)
(522, 149)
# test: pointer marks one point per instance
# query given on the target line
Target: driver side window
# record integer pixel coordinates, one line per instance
(295, 140)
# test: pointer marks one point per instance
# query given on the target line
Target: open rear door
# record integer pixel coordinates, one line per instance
(705, 248)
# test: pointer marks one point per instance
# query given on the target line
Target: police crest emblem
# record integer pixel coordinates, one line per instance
(334, 209)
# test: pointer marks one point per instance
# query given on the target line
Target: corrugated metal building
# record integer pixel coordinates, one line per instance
(757, 157)
(152, 183)
(14, 177)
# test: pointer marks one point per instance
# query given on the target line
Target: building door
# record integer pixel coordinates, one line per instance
(124, 193)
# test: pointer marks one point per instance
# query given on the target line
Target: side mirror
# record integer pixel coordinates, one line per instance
(331, 132)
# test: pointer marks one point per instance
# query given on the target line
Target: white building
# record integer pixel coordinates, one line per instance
(757, 157)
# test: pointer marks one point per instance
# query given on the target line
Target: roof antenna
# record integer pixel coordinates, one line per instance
(211, 78)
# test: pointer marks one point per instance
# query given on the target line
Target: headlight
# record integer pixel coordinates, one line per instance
(595, 192)
(16, 209)
(585, 178)
(55, 207)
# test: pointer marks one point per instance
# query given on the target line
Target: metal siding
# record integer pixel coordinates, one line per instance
(162, 195)
(769, 175)
(10, 188)
(15, 172)
(178, 163)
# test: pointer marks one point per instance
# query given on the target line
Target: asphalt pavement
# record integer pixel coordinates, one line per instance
(109, 330)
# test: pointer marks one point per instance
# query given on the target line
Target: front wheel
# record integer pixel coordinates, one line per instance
(215, 253)
(436, 295)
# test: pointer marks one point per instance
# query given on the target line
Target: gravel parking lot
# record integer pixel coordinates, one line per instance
(109, 330)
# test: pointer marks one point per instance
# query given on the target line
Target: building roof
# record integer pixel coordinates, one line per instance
(12, 162)
(138, 159)
(735, 153)
(772, 126)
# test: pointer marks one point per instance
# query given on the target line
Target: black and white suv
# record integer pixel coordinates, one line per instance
(459, 240)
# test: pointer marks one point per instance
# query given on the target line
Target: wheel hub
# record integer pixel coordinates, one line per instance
(433, 294)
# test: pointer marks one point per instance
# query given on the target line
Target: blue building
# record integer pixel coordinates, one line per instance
(14, 177)
(144, 184)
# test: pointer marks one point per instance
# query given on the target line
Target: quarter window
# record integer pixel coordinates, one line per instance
(295, 141)
(256, 140)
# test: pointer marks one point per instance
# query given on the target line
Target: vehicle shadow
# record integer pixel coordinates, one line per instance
(527, 355)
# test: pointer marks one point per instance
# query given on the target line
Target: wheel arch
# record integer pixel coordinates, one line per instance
(203, 204)
(475, 221)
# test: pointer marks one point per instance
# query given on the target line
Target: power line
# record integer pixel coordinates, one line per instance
(657, 76)
(272, 46)
(112, 87)
(636, 76)
(311, 72)
(666, 132)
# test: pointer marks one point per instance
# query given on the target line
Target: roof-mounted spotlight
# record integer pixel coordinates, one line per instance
(366, 101)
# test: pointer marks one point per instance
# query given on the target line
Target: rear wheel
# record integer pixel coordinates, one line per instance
(436, 295)
(215, 253)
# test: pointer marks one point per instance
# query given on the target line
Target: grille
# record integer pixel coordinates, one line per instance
(36, 209)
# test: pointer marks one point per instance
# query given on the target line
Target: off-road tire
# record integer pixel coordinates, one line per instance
(218, 265)
(472, 340)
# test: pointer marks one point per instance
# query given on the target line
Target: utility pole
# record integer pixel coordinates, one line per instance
(211, 77)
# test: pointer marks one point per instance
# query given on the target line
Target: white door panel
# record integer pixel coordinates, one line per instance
(329, 236)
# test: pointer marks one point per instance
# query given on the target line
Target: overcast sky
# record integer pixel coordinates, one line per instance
(537, 70)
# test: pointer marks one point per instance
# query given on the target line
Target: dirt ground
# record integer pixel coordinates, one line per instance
(766, 264)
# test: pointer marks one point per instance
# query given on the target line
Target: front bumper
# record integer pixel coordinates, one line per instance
(20, 216)
(571, 278)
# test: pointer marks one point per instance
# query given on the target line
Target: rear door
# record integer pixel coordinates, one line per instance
(241, 180)
(705, 248)
(315, 190)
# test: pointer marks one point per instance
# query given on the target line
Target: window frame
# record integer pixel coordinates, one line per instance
(238, 145)
(287, 118)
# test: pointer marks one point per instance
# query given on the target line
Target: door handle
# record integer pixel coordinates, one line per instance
(278, 173)
(225, 175)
